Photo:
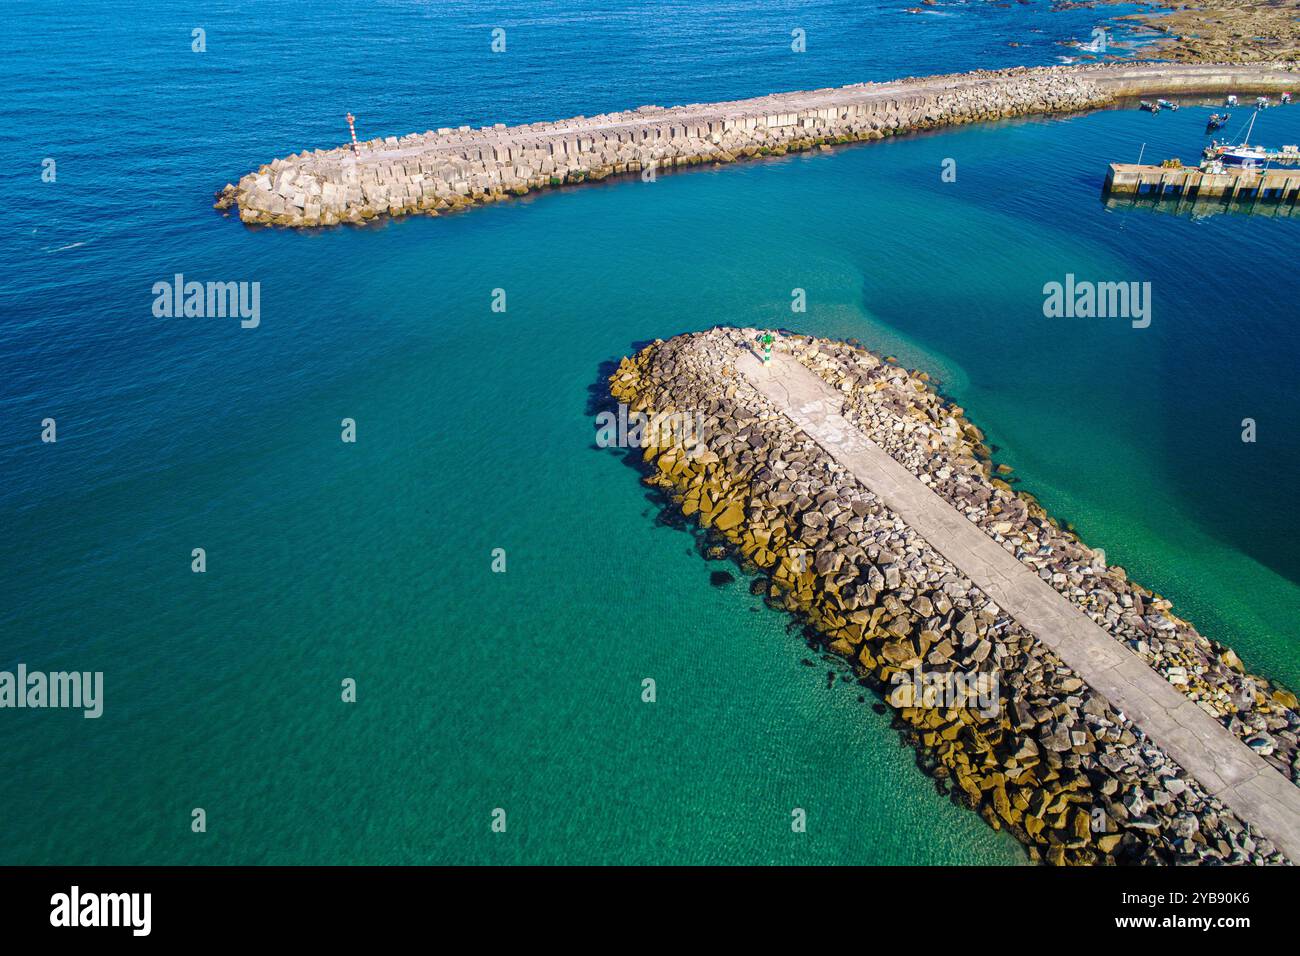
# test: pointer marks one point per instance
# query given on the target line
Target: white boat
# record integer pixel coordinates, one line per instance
(1231, 100)
(1243, 155)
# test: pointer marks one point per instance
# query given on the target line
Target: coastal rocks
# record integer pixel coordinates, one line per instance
(1002, 724)
(1221, 30)
(442, 171)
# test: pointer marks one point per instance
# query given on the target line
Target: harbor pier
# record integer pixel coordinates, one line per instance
(1191, 182)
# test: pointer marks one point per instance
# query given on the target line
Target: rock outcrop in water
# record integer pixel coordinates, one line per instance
(1053, 762)
(1204, 31)
(450, 169)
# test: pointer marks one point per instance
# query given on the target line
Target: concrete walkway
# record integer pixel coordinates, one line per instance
(1223, 764)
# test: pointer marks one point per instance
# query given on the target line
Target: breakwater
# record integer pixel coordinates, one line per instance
(448, 169)
(1056, 761)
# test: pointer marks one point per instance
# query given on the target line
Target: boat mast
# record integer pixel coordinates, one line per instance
(1250, 128)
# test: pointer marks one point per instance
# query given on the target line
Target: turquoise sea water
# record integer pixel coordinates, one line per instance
(372, 561)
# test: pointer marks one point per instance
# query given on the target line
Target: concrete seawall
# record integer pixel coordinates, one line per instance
(448, 169)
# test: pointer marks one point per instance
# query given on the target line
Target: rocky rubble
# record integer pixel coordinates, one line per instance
(1053, 762)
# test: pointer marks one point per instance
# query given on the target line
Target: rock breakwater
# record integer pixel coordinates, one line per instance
(1053, 762)
(900, 413)
(449, 169)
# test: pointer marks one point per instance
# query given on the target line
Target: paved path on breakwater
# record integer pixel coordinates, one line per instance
(1225, 766)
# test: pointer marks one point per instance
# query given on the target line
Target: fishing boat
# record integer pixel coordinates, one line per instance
(1262, 103)
(1240, 155)
(1149, 106)
(1231, 100)
(1167, 104)
(1286, 99)
(1218, 120)
(1245, 157)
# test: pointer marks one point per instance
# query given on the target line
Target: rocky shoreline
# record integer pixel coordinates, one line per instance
(1216, 30)
(1054, 763)
(441, 171)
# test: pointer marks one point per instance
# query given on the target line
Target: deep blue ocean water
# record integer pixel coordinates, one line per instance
(372, 561)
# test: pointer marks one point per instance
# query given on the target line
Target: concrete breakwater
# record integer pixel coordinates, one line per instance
(1055, 762)
(449, 169)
